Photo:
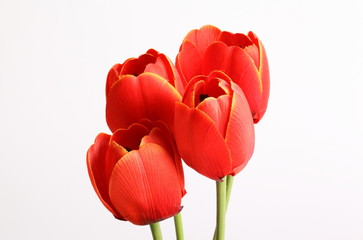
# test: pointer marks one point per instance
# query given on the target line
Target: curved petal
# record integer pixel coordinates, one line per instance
(144, 185)
(200, 144)
(196, 85)
(240, 67)
(161, 136)
(238, 39)
(130, 138)
(218, 110)
(113, 76)
(265, 83)
(134, 98)
(136, 66)
(240, 135)
(166, 69)
(203, 37)
(96, 170)
(188, 62)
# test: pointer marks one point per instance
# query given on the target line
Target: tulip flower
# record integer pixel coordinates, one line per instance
(242, 57)
(152, 61)
(131, 99)
(214, 129)
(137, 173)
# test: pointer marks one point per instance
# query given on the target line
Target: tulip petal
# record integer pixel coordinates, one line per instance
(238, 39)
(200, 144)
(134, 98)
(113, 76)
(218, 110)
(203, 37)
(130, 138)
(240, 67)
(188, 62)
(265, 86)
(165, 68)
(240, 136)
(144, 185)
(95, 165)
(161, 136)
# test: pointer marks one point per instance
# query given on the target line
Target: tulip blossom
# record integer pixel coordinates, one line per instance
(242, 57)
(131, 99)
(214, 129)
(137, 173)
(152, 61)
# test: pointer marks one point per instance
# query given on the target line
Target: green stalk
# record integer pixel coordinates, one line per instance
(178, 223)
(221, 208)
(156, 232)
(228, 196)
(230, 179)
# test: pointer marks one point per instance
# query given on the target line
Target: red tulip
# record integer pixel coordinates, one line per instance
(214, 129)
(242, 57)
(137, 173)
(146, 96)
(152, 61)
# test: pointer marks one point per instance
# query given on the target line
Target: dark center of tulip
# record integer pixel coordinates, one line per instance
(128, 149)
(202, 97)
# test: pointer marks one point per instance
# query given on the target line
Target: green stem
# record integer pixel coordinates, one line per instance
(228, 196)
(221, 208)
(179, 226)
(156, 232)
(230, 179)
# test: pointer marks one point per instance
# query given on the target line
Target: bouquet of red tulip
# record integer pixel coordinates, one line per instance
(201, 110)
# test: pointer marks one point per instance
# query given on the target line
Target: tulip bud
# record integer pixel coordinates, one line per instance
(137, 173)
(242, 57)
(153, 62)
(214, 130)
(146, 96)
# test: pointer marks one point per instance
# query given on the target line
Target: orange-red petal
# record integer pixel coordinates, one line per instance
(203, 37)
(134, 98)
(188, 62)
(144, 186)
(240, 67)
(218, 110)
(240, 135)
(166, 69)
(96, 170)
(200, 144)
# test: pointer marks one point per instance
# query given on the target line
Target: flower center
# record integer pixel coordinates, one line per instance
(128, 149)
(202, 97)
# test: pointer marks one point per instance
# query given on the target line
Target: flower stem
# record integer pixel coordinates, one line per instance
(179, 226)
(228, 195)
(230, 179)
(221, 208)
(156, 232)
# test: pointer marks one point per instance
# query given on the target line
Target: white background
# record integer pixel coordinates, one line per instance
(305, 179)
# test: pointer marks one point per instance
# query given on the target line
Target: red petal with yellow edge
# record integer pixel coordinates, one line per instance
(134, 98)
(240, 135)
(113, 76)
(265, 76)
(218, 110)
(188, 62)
(196, 85)
(144, 186)
(203, 37)
(240, 67)
(166, 69)
(200, 144)
(96, 170)
(238, 39)
(130, 138)
(161, 136)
